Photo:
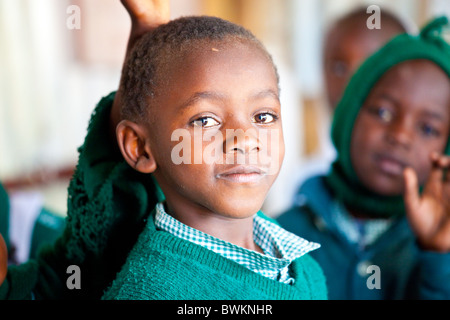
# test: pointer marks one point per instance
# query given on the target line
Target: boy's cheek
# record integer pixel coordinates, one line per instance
(422, 163)
(423, 170)
(278, 156)
(272, 151)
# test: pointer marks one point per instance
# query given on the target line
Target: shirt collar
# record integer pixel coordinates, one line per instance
(280, 246)
(362, 232)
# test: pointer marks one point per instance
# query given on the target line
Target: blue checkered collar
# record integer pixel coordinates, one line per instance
(280, 247)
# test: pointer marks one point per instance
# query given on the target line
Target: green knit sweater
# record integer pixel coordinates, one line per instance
(164, 267)
(107, 204)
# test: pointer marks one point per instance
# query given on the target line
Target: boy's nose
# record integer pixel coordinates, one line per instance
(242, 142)
(400, 132)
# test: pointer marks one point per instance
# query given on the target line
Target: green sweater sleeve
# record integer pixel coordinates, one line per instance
(99, 232)
(19, 282)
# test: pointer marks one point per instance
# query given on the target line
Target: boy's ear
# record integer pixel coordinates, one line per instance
(135, 147)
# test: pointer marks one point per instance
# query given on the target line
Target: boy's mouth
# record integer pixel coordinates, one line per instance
(389, 164)
(242, 174)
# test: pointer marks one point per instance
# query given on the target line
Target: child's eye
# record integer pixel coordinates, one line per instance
(384, 114)
(205, 122)
(339, 68)
(429, 131)
(264, 118)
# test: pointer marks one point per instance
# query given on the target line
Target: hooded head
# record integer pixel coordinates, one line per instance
(426, 50)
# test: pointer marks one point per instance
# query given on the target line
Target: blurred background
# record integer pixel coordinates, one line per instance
(55, 66)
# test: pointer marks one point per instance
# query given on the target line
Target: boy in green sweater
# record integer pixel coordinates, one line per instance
(202, 237)
(207, 79)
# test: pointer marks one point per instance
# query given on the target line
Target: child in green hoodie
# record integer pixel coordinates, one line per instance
(381, 238)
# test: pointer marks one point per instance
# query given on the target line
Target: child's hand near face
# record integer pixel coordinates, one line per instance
(429, 213)
(3, 260)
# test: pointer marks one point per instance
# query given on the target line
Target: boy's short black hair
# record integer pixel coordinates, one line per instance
(141, 76)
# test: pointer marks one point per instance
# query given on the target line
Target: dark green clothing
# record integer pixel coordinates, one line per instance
(4, 215)
(99, 232)
(162, 266)
(405, 271)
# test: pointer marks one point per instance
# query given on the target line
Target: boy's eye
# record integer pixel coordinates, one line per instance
(264, 118)
(384, 114)
(339, 68)
(205, 122)
(429, 131)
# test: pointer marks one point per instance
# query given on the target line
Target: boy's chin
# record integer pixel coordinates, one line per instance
(391, 189)
(240, 210)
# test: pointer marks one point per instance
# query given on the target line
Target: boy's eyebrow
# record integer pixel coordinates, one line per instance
(202, 95)
(211, 95)
(388, 97)
(266, 93)
(435, 115)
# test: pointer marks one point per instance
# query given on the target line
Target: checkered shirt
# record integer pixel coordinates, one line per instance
(362, 232)
(280, 246)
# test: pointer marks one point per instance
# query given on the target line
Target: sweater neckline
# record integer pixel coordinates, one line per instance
(164, 241)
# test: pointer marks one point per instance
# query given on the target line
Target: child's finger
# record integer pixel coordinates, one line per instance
(421, 222)
(146, 15)
(433, 184)
(443, 161)
(148, 12)
(411, 193)
(439, 160)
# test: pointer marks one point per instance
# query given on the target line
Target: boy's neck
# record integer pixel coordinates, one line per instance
(236, 231)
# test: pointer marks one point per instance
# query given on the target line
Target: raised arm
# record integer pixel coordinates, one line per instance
(50, 268)
(145, 16)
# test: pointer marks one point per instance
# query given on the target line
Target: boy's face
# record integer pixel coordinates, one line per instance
(404, 119)
(346, 47)
(208, 94)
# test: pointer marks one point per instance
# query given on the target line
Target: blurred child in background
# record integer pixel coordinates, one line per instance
(347, 43)
(391, 131)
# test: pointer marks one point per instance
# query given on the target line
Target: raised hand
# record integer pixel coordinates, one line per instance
(145, 16)
(429, 213)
